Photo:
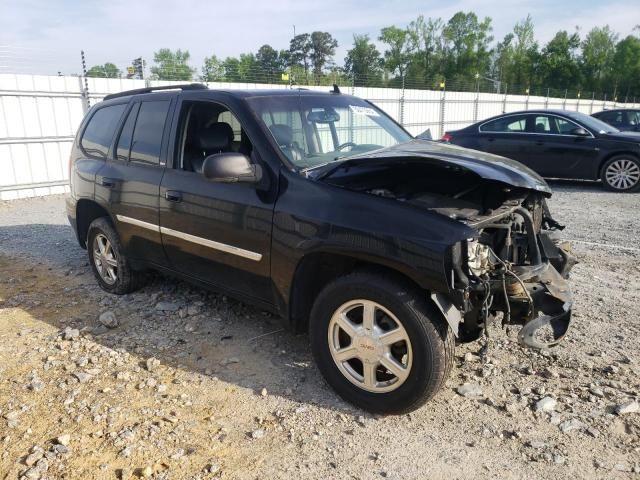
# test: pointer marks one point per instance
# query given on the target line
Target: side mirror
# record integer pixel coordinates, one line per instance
(426, 135)
(231, 167)
(580, 132)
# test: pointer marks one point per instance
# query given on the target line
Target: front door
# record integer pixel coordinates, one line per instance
(215, 232)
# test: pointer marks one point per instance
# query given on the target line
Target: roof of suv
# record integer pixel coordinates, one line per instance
(264, 92)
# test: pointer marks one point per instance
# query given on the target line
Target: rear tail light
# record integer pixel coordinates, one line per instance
(447, 137)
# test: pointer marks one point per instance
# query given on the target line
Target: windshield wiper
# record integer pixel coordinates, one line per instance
(314, 167)
(335, 165)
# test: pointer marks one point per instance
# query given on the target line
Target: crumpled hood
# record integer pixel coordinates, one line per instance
(485, 165)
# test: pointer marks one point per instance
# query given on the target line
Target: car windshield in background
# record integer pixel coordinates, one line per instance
(315, 130)
(593, 123)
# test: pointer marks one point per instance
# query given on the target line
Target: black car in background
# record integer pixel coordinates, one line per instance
(624, 119)
(559, 144)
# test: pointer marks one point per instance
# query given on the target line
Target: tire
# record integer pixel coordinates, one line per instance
(427, 357)
(125, 280)
(621, 173)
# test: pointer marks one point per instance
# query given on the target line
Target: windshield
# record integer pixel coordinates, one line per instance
(315, 130)
(593, 123)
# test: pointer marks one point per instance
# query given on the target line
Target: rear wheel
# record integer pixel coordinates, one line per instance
(621, 173)
(379, 343)
(108, 262)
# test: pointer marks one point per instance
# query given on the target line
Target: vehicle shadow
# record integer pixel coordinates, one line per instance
(44, 272)
(565, 185)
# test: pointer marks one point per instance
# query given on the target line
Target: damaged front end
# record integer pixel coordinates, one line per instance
(516, 266)
(513, 262)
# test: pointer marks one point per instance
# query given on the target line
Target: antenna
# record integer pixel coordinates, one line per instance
(336, 89)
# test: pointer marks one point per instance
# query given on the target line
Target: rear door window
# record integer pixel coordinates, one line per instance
(511, 124)
(97, 136)
(124, 142)
(542, 124)
(147, 134)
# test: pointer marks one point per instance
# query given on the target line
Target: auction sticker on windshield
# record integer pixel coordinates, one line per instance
(358, 110)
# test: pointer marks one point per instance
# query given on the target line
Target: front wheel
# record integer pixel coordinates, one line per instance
(379, 343)
(621, 174)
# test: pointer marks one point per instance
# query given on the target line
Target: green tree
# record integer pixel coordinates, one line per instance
(598, 51)
(212, 70)
(323, 48)
(248, 67)
(172, 65)
(427, 40)
(363, 62)
(399, 52)
(108, 70)
(269, 63)
(626, 66)
(467, 47)
(300, 50)
(231, 67)
(559, 62)
(516, 57)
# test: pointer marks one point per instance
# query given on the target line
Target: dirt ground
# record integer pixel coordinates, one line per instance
(191, 384)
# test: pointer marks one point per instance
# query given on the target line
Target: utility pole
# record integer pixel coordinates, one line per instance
(290, 64)
(86, 82)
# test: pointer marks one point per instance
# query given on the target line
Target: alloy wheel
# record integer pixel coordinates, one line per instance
(370, 346)
(105, 259)
(623, 174)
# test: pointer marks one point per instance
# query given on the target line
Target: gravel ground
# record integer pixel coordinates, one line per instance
(176, 382)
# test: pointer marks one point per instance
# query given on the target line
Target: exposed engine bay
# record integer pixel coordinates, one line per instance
(513, 263)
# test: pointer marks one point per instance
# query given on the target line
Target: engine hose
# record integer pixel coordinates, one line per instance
(532, 238)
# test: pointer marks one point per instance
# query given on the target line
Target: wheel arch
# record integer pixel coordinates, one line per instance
(615, 154)
(86, 212)
(316, 270)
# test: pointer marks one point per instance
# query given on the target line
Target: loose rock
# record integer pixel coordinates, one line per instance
(547, 404)
(570, 425)
(470, 390)
(70, 333)
(108, 319)
(629, 407)
(167, 307)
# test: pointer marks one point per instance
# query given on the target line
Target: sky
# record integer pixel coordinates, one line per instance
(46, 36)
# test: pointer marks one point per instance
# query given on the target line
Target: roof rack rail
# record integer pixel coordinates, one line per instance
(137, 91)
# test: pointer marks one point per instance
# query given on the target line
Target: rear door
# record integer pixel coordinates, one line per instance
(94, 147)
(218, 233)
(130, 180)
(506, 136)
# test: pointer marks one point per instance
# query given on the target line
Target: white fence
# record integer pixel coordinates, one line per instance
(40, 114)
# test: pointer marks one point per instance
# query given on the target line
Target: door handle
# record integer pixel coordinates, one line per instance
(108, 182)
(490, 139)
(539, 143)
(173, 196)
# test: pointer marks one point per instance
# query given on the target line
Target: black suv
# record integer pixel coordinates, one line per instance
(319, 207)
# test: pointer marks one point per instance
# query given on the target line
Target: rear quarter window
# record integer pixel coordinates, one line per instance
(97, 136)
(506, 124)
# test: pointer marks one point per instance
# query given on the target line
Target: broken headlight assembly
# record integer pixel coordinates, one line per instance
(513, 266)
